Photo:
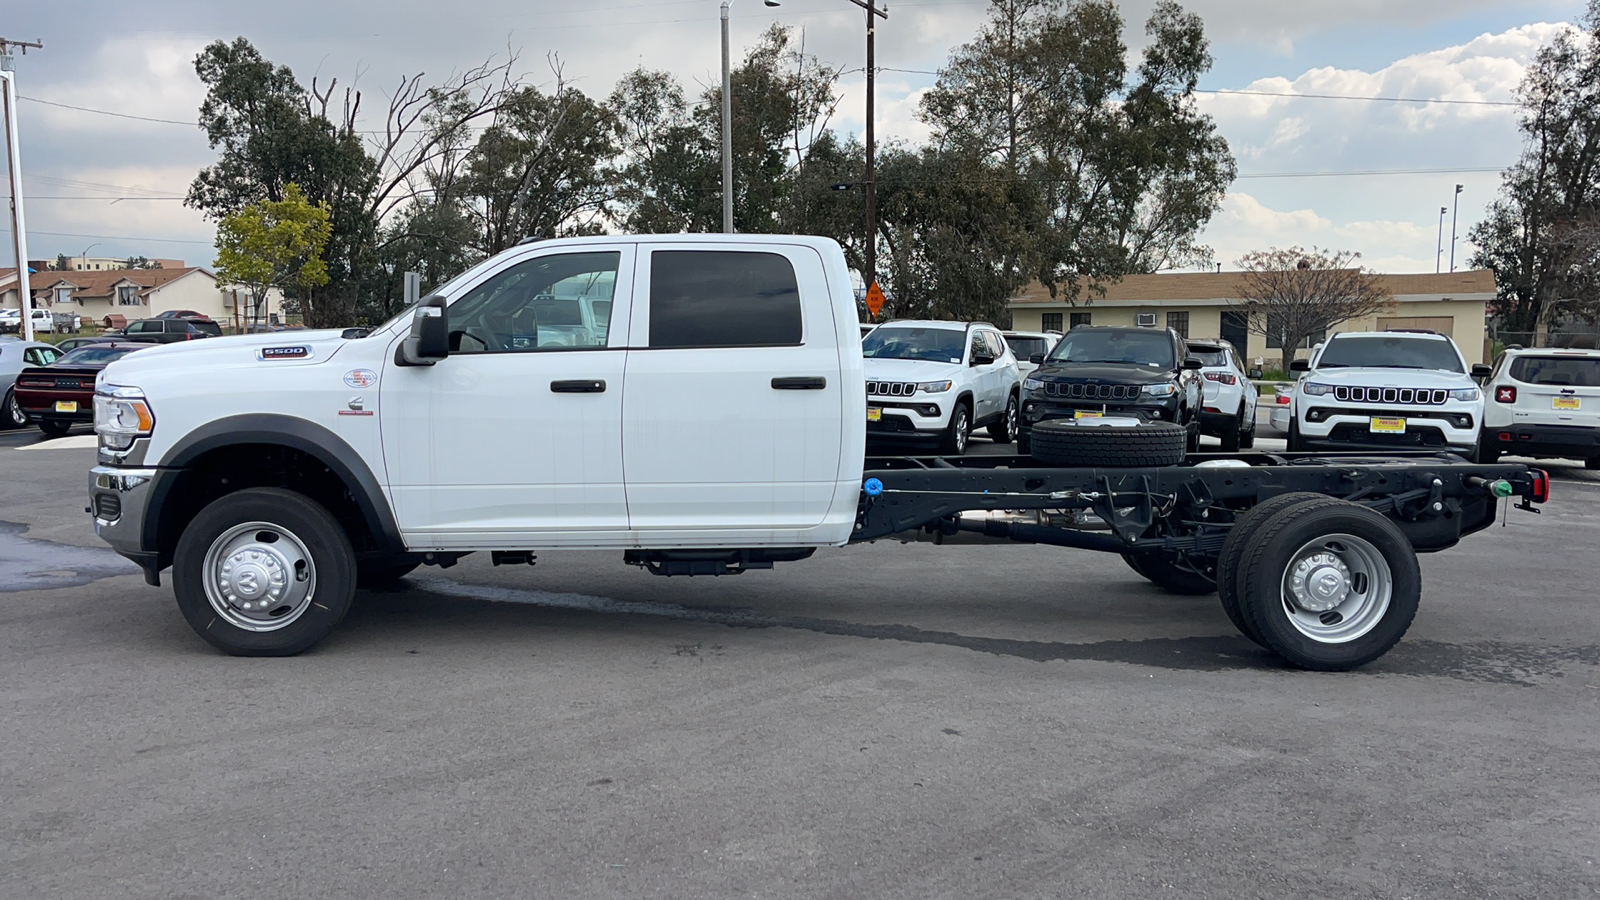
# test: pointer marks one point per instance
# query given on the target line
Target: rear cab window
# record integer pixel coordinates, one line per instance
(723, 298)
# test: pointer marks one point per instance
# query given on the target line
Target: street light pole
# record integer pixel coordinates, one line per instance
(727, 123)
(19, 228)
(1438, 254)
(1453, 215)
(84, 256)
(870, 276)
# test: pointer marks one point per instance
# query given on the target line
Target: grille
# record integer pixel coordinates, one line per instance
(1391, 395)
(891, 388)
(1074, 391)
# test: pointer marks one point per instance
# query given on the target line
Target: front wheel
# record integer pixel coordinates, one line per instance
(1004, 431)
(54, 427)
(1294, 444)
(263, 572)
(1329, 586)
(1174, 574)
(955, 437)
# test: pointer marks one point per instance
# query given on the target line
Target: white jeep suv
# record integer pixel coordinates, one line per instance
(1387, 390)
(934, 382)
(1545, 404)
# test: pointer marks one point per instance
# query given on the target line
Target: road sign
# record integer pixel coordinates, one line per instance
(874, 299)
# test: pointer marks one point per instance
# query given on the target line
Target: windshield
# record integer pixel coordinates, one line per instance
(1390, 353)
(1568, 371)
(1146, 348)
(1024, 347)
(931, 344)
(1211, 356)
(95, 355)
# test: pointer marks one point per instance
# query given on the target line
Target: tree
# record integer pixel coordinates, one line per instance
(1294, 294)
(1535, 236)
(278, 243)
(62, 263)
(1126, 168)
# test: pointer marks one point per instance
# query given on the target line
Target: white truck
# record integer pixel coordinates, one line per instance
(718, 426)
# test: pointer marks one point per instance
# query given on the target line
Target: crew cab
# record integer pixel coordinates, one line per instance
(934, 382)
(1387, 390)
(1143, 373)
(1545, 404)
(719, 427)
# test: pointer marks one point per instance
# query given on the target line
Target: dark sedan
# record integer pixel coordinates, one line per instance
(55, 397)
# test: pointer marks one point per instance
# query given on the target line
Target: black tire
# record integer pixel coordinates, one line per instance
(1488, 455)
(54, 427)
(1165, 572)
(384, 572)
(332, 571)
(1247, 439)
(1024, 444)
(1191, 442)
(1231, 435)
(958, 432)
(1294, 444)
(1004, 429)
(1239, 538)
(1373, 627)
(1061, 442)
(11, 414)
(1592, 463)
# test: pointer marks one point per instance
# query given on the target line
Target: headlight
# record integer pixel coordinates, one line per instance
(1160, 390)
(1033, 384)
(1312, 389)
(933, 387)
(1468, 394)
(121, 414)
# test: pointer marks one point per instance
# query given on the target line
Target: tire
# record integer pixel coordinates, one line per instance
(11, 414)
(958, 432)
(1191, 441)
(1350, 557)
(1004, 430)
(1247, 439)
(306, 539)
(1488, 455)
(384, 572)
(1024, 444)
(1239, 538)
(1294, 444)
(1062, 442)
(1163, 570)
(1232, 434)
(1592, 463)
(54, 427)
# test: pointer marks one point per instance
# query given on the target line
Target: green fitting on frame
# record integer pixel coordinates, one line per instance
(1502, 488)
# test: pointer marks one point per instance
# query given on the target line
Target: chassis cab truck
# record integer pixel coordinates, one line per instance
(696, 402)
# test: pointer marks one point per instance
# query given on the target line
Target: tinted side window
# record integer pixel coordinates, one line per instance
(717, 298)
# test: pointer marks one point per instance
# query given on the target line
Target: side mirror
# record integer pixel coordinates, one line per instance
(982, 359)
(1037, 359)
(1254, 373)
(1193, 364)
(1480, 371)
(429, 340)
(1300, 365)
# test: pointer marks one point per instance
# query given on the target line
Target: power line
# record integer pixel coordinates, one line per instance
(106, 112)
(1357, 97)
(117, 237)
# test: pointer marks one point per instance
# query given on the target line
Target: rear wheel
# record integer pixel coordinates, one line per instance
(1004, 430)
(1247, 438)
(1232, 432)
(12, 415)
(54, 427)
(1175, 574)
(1240, 538)
(263, 572)
(1330, 586)
(960, 429)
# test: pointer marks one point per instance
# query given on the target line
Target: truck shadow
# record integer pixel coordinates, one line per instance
(500, 609)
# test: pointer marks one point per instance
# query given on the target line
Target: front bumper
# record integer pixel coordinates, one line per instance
(119, 500)
(909, 418)
(1153, 409)
(1336, 428)
(1562, 441)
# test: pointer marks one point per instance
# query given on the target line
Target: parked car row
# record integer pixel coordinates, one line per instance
(45, 321)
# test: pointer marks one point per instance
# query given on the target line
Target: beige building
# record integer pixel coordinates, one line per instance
(137, 294)
(1199, 305)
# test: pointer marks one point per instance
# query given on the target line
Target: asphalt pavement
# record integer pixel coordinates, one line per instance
(883, 720)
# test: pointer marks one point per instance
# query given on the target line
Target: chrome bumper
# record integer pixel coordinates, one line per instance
(118, 499)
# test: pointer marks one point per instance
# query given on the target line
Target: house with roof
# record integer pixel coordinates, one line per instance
(135, 293)
(1201, 305)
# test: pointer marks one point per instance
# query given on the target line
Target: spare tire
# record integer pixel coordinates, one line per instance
(1106, 443)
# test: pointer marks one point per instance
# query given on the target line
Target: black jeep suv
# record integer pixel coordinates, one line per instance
(1145, 373)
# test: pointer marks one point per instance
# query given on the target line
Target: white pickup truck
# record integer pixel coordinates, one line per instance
(705, 414)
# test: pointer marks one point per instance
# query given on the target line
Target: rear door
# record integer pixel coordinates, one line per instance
(732, 412)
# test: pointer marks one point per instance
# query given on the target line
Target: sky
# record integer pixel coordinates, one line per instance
(1368, 176)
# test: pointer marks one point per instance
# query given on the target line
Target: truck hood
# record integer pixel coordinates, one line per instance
(1375, 376)
(230, 351)
(910, 370)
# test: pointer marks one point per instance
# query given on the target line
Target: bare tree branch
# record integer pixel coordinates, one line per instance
(1293, 294)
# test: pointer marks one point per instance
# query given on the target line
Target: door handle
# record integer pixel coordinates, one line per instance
(578, 386)
(799, 384)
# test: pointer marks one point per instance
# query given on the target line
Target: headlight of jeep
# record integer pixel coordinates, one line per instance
(1468, 394)
(121, 414)
(1033, 384)
(1313, 389)
(933, 387)
(1160, 390)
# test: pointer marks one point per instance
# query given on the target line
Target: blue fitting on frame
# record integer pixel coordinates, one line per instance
(873, 487)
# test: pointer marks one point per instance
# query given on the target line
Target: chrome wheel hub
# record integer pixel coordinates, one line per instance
(259, 576)
(1337, 588)
(1319, 582)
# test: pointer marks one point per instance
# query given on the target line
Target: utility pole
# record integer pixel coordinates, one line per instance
(19, 233)
(727, 122)
(870, 276)
(1453, 214)
(1438, 254)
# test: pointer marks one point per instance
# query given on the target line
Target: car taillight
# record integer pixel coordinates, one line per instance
(1223, 377)
(1283, 399)
(1505, 394)
(36, 382)
(1541, 486)
(87, 385)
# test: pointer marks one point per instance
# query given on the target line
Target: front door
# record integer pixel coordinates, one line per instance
(734, 422)
(515, 439)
